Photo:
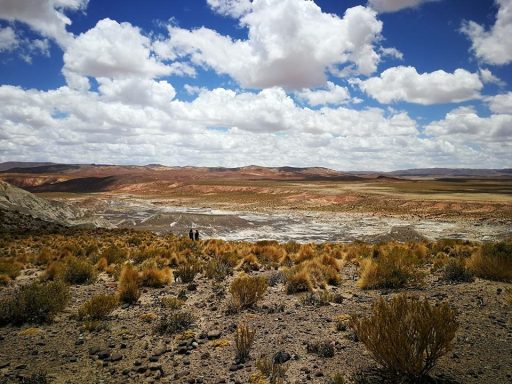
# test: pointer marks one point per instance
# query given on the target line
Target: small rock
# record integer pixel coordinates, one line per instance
(281, 357)
(215, 334)
(116, 357)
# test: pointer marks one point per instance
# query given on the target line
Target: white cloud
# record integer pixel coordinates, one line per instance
(44, 16)
(233, 8)
(395, 5)
(392, 52)
(495, 45)
(113, 50)
(406, 84)
(334, 94)
(464, 124)
(134, 91)
(8, 39)
(500, 103)
(489, 78)
(222, 127)
(290, 43)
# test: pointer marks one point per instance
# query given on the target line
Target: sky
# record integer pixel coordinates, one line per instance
(344, 84)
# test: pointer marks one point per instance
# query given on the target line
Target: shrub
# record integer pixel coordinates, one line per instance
(493, 262)
(34, 303)
(97, 308)
(174, 322)
(129, 285)
(336, 379)
(298, 281)
(187, 271)
(321, 348)
(156, 278)
(172, 303)
(10, 268)
(54, 271)
(317, 299)
(456, 271)
(218, 269)
(389, 270)
(244, 337)
(79, 272)
(407, 336)
(247, 290)
(272, 371)
(342, 322)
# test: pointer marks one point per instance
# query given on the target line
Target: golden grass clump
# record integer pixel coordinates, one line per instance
(171, 302)
(187, 271)
(247, 290)
(298, 280)
(102, 264)
(389, 269)
(270, 371)
(129, 285)
(407, 335)
(156, 278)
(493, 262)
(244, 338)
(248, 264)
(98, 307)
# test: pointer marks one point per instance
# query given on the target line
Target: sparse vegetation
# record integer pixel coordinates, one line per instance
(244, 337)
(247, 290)
(455, 270)
(406, 335)
(79, 271)
(172, 303)
(322, 348)
(35, 303)
(273, 372)
(129, 285)
(174, 322)
(493, 261)
(156, 278)
(97, 308)
(393, 268)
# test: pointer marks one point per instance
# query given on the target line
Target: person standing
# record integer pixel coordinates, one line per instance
(197, 235)
(191, 234)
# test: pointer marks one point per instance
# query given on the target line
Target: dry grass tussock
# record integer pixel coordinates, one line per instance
(493, 261)
(247, 290)
(244, 338)
(98, 307)
(406, 335)
(129, 291)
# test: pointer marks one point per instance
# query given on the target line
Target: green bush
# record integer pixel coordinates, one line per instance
(407, 336)
(456, 271)
(175, 322)
(35, 303)
(79, 272)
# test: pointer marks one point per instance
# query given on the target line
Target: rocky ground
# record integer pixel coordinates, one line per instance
(130, 350)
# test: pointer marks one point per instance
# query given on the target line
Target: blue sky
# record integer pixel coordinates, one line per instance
(377, 84)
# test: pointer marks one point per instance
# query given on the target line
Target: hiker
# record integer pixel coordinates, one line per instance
(191, 234)
(197, 235)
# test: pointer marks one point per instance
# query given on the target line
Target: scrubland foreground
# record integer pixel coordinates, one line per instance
(118, 306)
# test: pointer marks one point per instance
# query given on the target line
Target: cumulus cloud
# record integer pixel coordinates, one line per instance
(500, 103)
(489, 78)
(290, 43)
(43, 16)
(233, 8)
(493, 46)
(334, 94)
(464, 125)
(113, 50)
(8, 39)
(406, 84)
(395, 5)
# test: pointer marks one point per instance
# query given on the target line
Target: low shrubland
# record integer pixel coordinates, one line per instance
(493, 261)
(35, 303)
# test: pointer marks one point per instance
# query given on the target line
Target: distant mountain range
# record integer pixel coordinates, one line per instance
(53, 177)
